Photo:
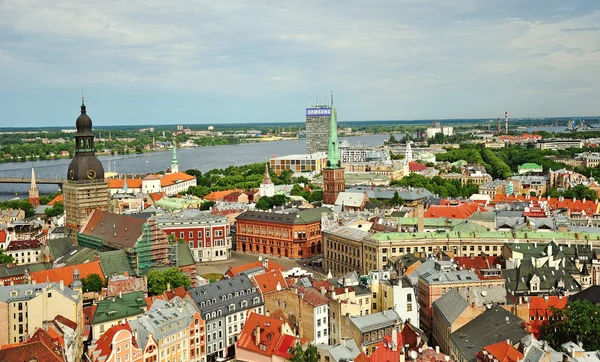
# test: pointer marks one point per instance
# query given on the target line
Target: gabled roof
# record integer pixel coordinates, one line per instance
(370, 322)
(57, 199)
(502, 352)
(270, 281)
(38, 348)
(269, 339)
(2, 236)
(307, 216)
(450, 306)
(217, 195)
(592, 294)
(477, 262)
(352, 199)
(114, 229)
(104, 343)
(518, 279)
(270, 266)
(415, 166)
(65, 273)
(174, 178)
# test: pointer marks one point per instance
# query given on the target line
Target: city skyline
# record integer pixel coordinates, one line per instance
(209, 62)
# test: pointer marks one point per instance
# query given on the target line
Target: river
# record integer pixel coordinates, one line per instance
(201, 158)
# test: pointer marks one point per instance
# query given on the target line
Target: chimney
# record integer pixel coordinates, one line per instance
(394, 340)
(62, 285)
(278, 288)
(169, 286)
(120, 294)
(257, 335)
(437, 349)
(346, 293)
(418, 341)
(565, 358)
(266, 263)
(343, 342)
(402, 354)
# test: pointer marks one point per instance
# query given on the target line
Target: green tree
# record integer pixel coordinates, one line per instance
(55, 210)
(396, 200)
(316, 195)
(93, 283)
(264, 203)
(159, 280)
(279, 200)
(5, 259)
(296, 190)
(579, 321)
(207, 205)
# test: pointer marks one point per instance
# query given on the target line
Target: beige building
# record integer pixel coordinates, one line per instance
(24, 308)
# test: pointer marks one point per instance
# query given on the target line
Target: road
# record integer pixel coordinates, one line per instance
(239, 258)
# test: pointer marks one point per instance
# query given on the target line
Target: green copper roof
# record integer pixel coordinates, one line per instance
(119, 307)
(333, 151)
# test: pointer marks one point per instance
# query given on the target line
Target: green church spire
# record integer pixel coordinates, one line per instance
(333, 151)
(174, 158)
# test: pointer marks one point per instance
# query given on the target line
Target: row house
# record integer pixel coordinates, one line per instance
(224, 305)
(25, 251)
(208, 235)
(394, 293)
(265, 339)
(368, 331)
(290, 233)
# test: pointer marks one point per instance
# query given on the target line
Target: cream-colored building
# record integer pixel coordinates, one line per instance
(24, 308)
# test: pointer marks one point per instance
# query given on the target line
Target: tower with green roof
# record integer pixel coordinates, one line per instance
(334, 180)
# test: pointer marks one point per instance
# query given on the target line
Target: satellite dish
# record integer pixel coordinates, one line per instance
(414, 355)
(483, 293)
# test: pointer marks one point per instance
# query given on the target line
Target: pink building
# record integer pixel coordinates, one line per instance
(117, 344)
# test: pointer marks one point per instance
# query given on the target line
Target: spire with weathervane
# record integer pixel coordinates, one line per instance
(333, 150)
(174, 162)
(267, 187)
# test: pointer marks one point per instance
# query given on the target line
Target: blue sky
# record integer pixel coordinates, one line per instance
(215, 61)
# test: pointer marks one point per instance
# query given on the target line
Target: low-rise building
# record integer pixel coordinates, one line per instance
(367, 331)
(291, 233)
(117, 310)
(265, 339)
(529, 168)
(118, 343)
(24, 251)
(208, 235)
(27, 307)
(299, 163)
(224, 305)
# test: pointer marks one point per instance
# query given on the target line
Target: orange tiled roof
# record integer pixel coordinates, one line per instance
(156, 196)
(242, 268)
(2, 236)
(58, 198)
(218, 195)
(268, 281)
(132, 183)
(574, 205)
(477, 262)
(384, 353)
(539, 307)
(313, 296)
(461, 211)
(271, 341)
(502, 352)
(66, 273)
(173, 178)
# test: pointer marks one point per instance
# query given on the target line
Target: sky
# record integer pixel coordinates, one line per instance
(216, 61)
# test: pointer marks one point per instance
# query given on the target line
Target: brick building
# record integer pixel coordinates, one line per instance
(208, 235)
(291, 233)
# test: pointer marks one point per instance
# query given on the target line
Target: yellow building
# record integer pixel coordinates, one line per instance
(24, 308)
(299, 163)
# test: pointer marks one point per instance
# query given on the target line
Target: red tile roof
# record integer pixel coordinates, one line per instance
(39, 347)
(268, 281)
(104, 344)
(234, 271)
(66, 273)
(539, 307)
(589, 206)
(313, 296)
(156, 196)
(271, 341)
(2, 236)
(58, 198)
(502, 352)
(125, 285)
(385, 352)
(23, 244)
(477, 262)
(416, 167)
(461, 211)
(132, 183)
(173, 178)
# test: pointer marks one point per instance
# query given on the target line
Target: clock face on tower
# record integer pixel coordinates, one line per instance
(91, 174)
(71, 174)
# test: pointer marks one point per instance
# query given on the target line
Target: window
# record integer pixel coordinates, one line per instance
(218, 232)
(181, 235)
(191, 234)
(200, 234)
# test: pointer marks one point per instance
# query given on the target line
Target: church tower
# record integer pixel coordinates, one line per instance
(85, 189)
(34, 193)
(174, 162)
(334, 180)
(267, 188)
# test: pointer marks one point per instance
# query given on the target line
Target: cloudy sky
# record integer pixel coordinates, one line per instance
(223, 61)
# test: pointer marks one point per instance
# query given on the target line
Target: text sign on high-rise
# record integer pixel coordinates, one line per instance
(318, 111)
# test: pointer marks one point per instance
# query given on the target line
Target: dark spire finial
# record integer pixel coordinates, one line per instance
(82, 102)
(332, 99)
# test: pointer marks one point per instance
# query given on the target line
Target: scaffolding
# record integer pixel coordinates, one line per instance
(152, 248)
(80, 199)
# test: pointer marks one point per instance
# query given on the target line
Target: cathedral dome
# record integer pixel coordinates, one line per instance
(84, 122)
